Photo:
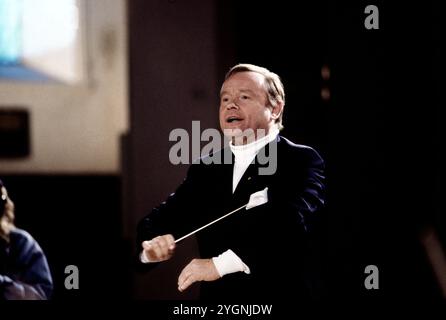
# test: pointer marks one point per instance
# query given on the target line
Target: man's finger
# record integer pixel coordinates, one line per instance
(186, 283)
(170, 242)
(162, 246)
(155, 244)
(147, 245)
(185, 273)
(156, 249)
(164, 243)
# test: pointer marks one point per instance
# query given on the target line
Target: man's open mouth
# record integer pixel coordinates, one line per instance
(232, 119)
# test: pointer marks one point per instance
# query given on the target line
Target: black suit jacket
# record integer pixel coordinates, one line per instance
(271, 239)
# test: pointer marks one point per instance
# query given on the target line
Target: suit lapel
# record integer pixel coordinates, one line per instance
(246, 180)
(224, 183)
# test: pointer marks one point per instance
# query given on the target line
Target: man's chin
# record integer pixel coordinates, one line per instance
(240, 136)
(233, 132)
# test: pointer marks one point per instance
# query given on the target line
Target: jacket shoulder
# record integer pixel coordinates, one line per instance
(300, 151)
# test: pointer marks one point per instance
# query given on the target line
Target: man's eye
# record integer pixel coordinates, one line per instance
(245, 97)
(224, 99)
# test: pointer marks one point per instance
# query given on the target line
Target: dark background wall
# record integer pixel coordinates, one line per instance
(173, 80)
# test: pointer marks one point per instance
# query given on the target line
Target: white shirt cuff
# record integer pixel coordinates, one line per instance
(229, 262)
(143, 258)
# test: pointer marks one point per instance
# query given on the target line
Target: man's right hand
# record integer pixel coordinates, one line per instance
(160, 248)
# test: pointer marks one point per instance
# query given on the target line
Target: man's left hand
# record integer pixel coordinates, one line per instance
(197, 270)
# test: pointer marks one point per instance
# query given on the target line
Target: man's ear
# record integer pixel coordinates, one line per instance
(277, 110)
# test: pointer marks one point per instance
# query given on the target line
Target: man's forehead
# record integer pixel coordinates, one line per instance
(244, 81)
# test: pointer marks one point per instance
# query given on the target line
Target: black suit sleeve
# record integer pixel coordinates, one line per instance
(175, 215)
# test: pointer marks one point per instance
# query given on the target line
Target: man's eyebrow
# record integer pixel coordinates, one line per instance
(241, 90)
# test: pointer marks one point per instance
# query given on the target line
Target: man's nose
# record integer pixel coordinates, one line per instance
(232, 105)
